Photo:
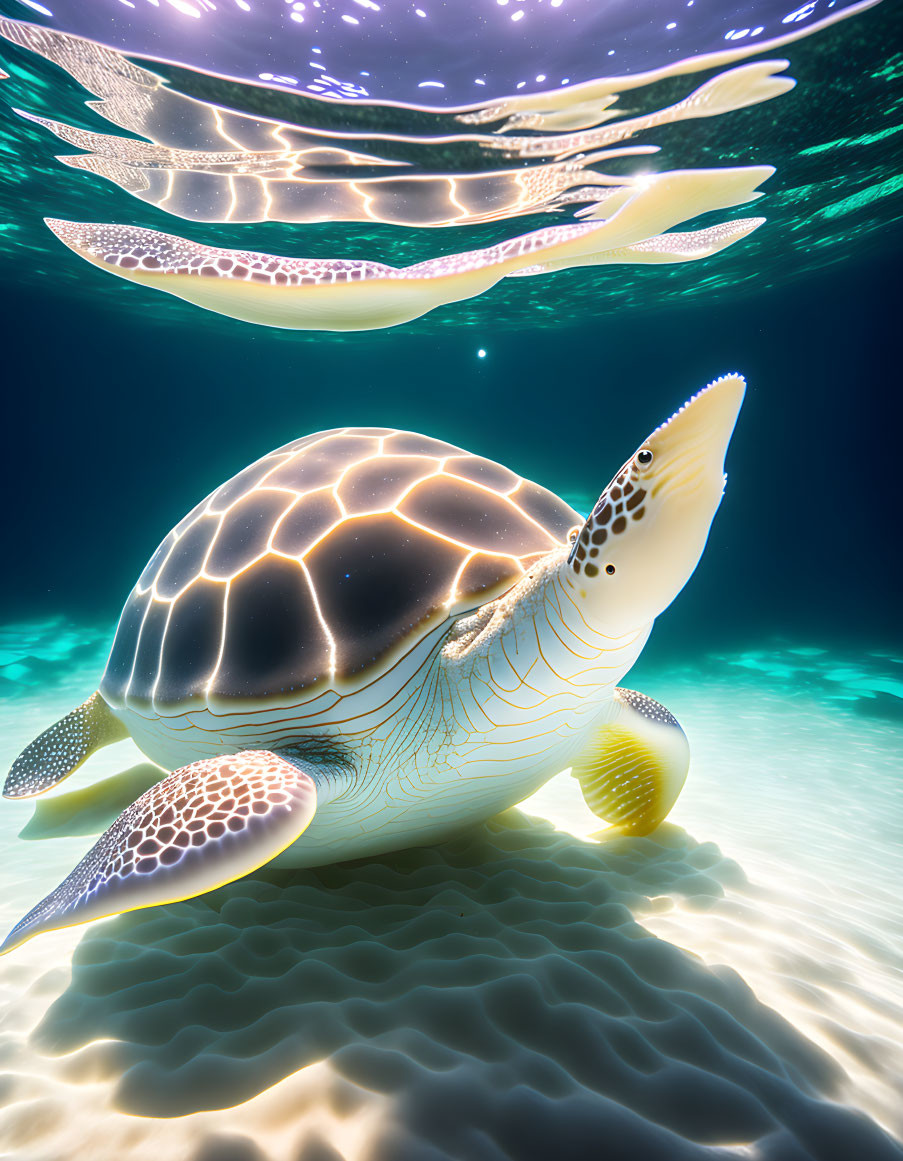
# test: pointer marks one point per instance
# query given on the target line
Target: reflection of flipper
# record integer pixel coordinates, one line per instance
(242, 185)
(674, 247)
(635, 766)
(736, 88)
(62, 748)
(200, 827)
(343, 294)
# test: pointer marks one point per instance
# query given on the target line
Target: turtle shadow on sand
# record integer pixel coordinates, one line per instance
(496, 988)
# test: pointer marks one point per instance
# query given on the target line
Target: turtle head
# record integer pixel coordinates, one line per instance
(646, 534)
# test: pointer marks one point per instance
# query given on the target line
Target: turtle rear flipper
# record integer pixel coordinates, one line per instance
(202, 826)
(62, 748)
(635, 764)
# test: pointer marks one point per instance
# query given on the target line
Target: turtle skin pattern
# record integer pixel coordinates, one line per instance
(320, 564)
(201, 825)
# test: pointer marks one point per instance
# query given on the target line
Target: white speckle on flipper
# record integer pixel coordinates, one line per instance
(131, 248)
(61, 748)
(197, 828)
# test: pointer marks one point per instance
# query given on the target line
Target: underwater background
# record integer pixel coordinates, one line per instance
(126, 407)
(731, 986)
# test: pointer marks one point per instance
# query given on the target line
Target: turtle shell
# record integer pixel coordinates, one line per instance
(322, 563)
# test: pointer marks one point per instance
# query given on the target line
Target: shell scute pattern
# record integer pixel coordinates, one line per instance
(274, 639)
(485, 472)
(404, 578)
(147, 653)
(153, 566)
(308, 519)
(539, 503)
(471, 514)
(321, 563)
(409, 443)
(376, 483)
(180, 563)
(193, 638)
(122, 655)
(483, 573)
(241, 484)
(317, 467)
(244, 536)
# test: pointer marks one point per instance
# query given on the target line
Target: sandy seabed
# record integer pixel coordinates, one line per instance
(731, 987)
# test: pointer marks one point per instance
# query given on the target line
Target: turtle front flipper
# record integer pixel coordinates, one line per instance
(62, 748)
(635, 766)
(202, 826)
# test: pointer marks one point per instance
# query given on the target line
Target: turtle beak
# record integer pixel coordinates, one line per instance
(646, 534)
(689, 449)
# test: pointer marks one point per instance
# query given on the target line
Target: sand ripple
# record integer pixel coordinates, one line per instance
(517, 993)
(492, 997)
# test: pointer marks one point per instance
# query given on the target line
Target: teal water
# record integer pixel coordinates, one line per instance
(155, 402)
(731, 986)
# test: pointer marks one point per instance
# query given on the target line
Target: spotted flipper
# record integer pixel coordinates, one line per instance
(635, 766)
(200, 827)
(62, 748)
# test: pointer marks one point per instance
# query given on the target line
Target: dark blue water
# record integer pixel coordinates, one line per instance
(124, 407)
(117, 425)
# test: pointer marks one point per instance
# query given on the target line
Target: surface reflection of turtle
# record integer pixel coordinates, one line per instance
(369, 639)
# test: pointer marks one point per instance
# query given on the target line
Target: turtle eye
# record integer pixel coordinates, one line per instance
(644, 457)
(610, 569)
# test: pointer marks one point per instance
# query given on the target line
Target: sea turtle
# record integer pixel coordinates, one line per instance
(369, 639)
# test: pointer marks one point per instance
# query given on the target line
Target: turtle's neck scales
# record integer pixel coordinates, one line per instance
(528, 673)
